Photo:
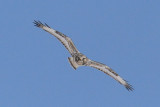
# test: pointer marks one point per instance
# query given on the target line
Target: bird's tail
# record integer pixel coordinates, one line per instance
(73, 63)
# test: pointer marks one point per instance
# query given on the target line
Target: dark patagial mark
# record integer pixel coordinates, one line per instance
(61, 34)
(112, 71)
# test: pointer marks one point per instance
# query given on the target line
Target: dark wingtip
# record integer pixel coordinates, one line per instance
(46, 25)
(39, 24)
(129, 87)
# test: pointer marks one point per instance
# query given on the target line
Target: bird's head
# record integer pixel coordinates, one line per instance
(81, 59)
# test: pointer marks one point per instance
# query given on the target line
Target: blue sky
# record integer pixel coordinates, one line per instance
(123, 34)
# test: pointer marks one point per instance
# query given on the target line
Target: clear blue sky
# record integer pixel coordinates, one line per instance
(34, 70)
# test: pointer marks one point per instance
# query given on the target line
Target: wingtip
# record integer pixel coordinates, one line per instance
(46, 25)
(129, 87)
(40, 24)
(37, 23)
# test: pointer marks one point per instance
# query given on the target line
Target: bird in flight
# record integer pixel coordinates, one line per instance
(77, 59)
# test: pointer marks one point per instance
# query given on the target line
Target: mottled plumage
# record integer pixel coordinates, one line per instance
(78, 59)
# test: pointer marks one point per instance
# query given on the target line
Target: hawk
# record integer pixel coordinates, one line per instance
(78, 59)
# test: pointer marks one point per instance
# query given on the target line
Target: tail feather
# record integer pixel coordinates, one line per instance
(73, 63)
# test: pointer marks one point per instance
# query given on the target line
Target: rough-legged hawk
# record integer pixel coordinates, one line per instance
(78, 59)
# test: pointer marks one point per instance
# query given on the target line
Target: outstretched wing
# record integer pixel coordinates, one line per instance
(110, 72)
(66, 41)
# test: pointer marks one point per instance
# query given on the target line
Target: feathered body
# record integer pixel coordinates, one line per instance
(78, 59)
